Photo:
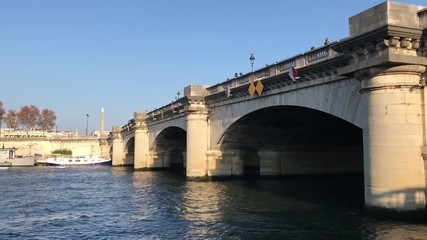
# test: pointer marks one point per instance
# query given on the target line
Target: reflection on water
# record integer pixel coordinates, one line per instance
(117, 203)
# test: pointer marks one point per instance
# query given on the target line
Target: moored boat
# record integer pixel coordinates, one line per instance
(5, 165)
(76, 161)
(8, 158)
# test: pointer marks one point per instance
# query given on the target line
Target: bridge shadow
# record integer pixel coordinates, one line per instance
(341, 192)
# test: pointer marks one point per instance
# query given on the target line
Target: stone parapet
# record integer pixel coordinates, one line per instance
(388, 45)
(386, 13)
(315, 63)
(139, 120)
(389, 34)
(195, 90)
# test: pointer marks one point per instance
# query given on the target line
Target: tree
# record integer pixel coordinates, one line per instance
(28, 116)
(47, 119)
(12, 119)
(63, 152)
(2, 111)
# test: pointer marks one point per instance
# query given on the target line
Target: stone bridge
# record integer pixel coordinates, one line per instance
(357, 106)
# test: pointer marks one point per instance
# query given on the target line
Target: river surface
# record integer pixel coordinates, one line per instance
(118, 203)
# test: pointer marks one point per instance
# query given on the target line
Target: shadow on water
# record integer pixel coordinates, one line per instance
(313, 207)
(293, 207)
(322, 190)
(327, 190)
(119, 203)
(338, 192)
(303, 207)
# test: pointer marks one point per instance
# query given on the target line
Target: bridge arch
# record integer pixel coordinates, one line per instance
(110, 151)
(288, 140)
(321, 95)
(169, 148)
(289, 125)
(129, 151)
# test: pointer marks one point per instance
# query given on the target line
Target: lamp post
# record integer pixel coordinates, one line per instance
(87, 123)
(252, 59)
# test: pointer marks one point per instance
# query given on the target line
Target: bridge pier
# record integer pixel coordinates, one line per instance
(162, 160)
(103, 143)
(386, 59)
(234, 157)
(118, 153)
(225, 163)
(141, 141)
(270, 163)
(151, 159)
(197, 139)
(394, 168)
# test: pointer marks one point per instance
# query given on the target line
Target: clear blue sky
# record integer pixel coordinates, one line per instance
(76, 56)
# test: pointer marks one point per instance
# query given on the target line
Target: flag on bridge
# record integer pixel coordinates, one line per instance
(293, 73)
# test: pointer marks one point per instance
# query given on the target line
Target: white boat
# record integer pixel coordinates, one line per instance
(5, 165)
(8, 158)
(62, 160)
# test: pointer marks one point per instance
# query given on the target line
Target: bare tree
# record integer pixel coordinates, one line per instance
(28, 116)
(47, 119)
(12, 119)
(2, 112)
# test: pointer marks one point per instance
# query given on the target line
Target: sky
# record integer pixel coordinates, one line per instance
(76, 56)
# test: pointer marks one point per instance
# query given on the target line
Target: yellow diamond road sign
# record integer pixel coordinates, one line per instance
(251, 89)
(259, 87)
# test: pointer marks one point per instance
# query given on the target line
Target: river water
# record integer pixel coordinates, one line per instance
(118, 203)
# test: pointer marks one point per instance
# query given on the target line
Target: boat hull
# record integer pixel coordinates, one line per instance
(19, 162)
(106, 163)
(78, 161)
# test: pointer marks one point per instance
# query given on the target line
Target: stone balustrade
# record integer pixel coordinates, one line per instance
(279, 68)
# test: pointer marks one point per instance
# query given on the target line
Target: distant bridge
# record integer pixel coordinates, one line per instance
(358, 106)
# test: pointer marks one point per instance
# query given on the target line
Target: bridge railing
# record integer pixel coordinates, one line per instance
(165, 111)
(278, 68)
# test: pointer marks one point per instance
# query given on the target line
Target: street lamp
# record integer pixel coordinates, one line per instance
(87, 123)
(252, 59)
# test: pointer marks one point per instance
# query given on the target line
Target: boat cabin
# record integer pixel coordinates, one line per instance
(7, 153)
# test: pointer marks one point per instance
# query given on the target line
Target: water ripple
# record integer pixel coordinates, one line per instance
(117, 203)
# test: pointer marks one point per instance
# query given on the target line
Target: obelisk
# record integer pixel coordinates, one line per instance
(101, 130)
